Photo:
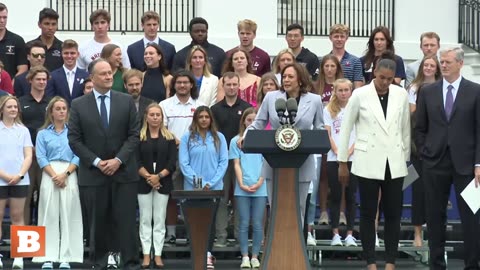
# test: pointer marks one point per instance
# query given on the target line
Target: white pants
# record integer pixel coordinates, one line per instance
(152, 205)
(60, 212)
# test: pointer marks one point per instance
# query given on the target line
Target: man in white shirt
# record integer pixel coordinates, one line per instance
(177, 116)
(89, 51)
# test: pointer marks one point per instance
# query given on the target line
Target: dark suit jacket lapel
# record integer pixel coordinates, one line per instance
(76, 85)
(113, 107)
(438, 95)
(461, 95)
(64, 83)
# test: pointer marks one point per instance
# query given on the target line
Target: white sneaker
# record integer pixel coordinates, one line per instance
(17, 263)
(336, 240)
(343, 219)
(210, 262)
(64, 265)
(1, 263)
(323, 220)
(255, 263)
(112, 263)
(311, 240)
(245, 263)
(350, 241)
(377, 241)
(47, 265)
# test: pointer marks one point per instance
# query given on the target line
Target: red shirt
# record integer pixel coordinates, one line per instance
(6, 82)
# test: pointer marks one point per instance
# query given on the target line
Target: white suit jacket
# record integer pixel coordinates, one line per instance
(309, 116)
(208, 90)
(378, 139)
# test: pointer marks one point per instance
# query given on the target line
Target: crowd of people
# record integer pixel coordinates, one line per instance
(95, 129)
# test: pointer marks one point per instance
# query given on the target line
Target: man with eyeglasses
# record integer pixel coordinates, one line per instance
(12, 47)
(178, 112)
(36, 53)
(294, 38)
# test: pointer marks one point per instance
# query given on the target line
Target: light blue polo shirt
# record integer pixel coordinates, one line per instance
(251, 168)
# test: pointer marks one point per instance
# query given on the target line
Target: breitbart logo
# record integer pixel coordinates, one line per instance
(27, 241)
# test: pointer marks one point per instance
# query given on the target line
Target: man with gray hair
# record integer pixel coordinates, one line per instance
(448, 141)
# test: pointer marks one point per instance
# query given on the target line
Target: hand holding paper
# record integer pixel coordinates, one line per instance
(471, 194)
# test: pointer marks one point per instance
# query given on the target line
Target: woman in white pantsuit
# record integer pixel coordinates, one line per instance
(157, 158)
(59, 204)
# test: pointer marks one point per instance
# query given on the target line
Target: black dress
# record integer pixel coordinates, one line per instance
(153, 86)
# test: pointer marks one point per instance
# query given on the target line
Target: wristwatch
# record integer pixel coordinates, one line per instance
(68, 173)
(21, 176)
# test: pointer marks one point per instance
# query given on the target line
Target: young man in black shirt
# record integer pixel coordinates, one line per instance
(12, 47)
(48, 24)
(227, 114)
(294, 37)
(198, 28)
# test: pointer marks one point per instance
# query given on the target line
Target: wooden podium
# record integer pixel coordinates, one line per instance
(199, 208)
(285, 247)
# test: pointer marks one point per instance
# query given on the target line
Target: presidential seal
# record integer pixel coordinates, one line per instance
(288, 137)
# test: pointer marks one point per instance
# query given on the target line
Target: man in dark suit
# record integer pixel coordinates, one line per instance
(133, 82)
(103, 133)
(68, 80)
(150, 24)
(448, 140)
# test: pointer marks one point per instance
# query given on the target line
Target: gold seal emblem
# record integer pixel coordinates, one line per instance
(288, 137)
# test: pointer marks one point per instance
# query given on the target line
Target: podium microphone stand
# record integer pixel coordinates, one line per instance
(199, 208)
(285, 150)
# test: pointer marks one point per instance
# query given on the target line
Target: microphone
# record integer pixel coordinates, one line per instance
(280, 108)
(292, 108)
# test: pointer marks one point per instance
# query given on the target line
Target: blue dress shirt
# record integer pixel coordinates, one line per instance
(53, 146)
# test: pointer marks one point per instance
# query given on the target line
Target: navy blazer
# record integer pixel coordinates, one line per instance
(21, 86)
(135, 53)
(58, 84)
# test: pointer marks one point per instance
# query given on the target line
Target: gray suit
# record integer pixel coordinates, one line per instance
(412, 71)
(115, 196)
(309, 116)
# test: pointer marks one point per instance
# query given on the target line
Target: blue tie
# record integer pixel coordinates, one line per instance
(449, 102)
(103, 111)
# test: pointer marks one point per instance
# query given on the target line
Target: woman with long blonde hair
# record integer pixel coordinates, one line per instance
(268, 83)
(250, 193)
(157, 158)
(207, 83)
(14, 179)
(333, 116)
(59, 208)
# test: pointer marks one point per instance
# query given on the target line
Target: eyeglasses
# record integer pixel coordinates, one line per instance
(182, 82)
(36, 55)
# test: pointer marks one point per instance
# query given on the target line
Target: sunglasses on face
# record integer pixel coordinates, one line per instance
(36, 55)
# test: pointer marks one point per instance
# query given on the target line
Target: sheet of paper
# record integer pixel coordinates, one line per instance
(471, 195)
(411, 177)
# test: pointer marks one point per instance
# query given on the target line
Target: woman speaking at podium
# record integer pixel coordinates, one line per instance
(295, 84)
